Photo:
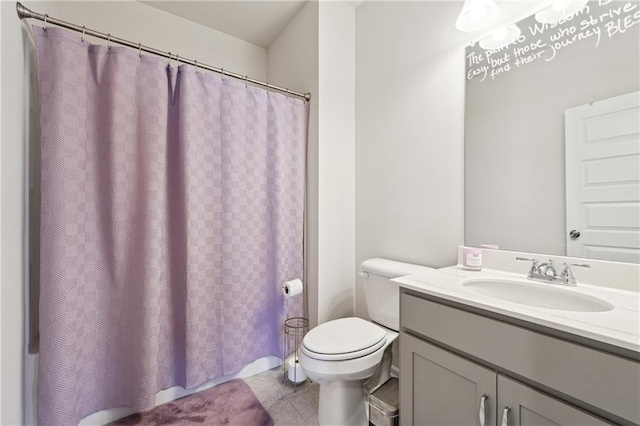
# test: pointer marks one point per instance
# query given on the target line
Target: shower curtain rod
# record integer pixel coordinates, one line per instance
(25, 12)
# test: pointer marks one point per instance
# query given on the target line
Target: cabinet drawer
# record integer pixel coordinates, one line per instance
(528, 407)
(601, 380)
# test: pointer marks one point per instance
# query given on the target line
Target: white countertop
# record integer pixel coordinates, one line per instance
(618, 327)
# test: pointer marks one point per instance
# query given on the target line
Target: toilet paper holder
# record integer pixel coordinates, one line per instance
(294, 331)
(293, 287)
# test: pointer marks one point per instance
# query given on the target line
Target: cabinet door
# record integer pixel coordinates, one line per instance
(529, 407)
(439, 388)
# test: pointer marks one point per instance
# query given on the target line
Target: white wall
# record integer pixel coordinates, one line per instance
(293, 63)
(12, 168)
(336, 157)
(316, 53)
(1, 227)
(409, 133)
(127, 19)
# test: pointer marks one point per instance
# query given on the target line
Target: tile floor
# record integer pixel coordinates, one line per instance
(287, 405)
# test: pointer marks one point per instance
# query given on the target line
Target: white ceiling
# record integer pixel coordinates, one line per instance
(261, 21)
(256, 21)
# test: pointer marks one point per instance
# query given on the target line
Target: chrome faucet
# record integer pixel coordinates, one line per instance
(546, 272)
(547, 269)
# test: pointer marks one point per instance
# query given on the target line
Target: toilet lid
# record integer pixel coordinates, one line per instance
(344, 336)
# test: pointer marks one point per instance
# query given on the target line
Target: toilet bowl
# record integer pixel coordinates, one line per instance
(345, 354)
(340, 371)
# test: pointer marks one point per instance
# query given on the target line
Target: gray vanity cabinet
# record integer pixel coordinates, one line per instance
(454, 359)
(445, 389)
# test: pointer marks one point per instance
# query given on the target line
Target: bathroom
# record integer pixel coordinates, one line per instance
(388, 171)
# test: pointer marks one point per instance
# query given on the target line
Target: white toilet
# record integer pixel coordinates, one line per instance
(341, 354)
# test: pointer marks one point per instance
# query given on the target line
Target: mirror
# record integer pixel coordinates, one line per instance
(551, 144)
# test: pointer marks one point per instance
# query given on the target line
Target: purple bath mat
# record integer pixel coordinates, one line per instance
(231, 403)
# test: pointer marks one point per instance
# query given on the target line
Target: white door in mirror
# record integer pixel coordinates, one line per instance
(603, 179)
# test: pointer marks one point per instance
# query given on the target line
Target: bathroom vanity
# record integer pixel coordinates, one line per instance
(471, 359)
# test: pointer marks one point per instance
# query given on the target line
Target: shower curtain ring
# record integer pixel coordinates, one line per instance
(45, 21)
(140, 50)
(246, 80)
(169, 58)
(222, 71)
(109, 41)
(196, 65)
(177, 60)
(84, 30)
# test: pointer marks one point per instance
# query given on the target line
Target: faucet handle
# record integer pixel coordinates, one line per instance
(527, 259)
(567, 275)
(581, 265)
(534, 265)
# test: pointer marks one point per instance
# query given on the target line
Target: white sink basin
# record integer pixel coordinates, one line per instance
(542, 295)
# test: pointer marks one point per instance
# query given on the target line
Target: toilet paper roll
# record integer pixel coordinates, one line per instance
(292, 288)
(294, 371)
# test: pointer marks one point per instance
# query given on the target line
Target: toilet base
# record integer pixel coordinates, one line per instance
(342, 403)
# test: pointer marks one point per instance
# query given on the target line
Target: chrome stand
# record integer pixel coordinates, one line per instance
(294, 330)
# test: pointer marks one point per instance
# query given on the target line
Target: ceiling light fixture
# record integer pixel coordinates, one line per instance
(559, 10)
(477, 15)
(501, 38)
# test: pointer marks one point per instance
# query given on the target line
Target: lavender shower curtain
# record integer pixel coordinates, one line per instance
(172, 210)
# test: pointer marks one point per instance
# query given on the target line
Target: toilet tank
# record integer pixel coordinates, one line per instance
(383, 295)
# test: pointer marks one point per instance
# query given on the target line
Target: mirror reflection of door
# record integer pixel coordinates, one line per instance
(603, 179)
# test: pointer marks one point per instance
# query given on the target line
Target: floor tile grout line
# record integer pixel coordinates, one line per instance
(308, 387)
(288, 412)
(289, 394)
(298, 411)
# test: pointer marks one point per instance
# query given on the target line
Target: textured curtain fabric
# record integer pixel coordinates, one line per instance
(172, 211)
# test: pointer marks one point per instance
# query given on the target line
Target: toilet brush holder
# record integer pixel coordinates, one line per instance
(294, 330)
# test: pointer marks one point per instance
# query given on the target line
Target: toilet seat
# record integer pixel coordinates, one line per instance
(343, 339)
